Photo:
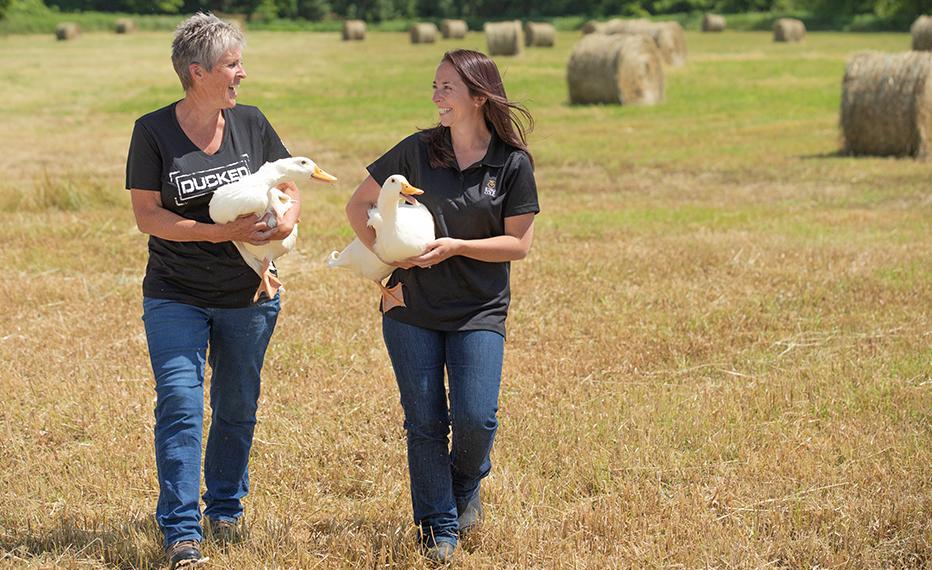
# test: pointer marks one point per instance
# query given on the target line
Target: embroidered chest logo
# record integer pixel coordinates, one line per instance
(490, 189)
(194, 184)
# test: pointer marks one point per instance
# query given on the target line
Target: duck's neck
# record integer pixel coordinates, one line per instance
(269, 174)
(388, 205)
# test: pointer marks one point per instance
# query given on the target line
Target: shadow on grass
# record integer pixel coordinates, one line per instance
(134, 544)
(823, 155)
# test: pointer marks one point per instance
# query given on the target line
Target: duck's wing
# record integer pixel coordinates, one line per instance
(236, 199)
(375, 219)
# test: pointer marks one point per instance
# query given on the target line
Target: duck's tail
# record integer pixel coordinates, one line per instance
(335, 260)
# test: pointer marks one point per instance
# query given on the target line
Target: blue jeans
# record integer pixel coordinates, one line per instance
(443, 480)
(178, 335)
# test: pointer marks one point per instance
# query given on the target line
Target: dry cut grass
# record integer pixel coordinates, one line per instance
(718, 355)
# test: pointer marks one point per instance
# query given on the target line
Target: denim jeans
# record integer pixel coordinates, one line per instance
(178, 336)
(443, 480)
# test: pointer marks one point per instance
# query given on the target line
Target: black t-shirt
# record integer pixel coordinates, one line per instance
(163, 159)
(460, 293)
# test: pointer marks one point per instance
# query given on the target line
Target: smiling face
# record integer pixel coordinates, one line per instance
(221, 83)
(451, 96)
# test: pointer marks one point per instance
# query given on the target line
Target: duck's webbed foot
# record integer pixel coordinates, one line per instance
(392, 297)
(269, 285)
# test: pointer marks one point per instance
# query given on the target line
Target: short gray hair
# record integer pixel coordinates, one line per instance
(202, 39)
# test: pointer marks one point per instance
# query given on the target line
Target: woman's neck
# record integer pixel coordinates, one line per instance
(201, 122)
(470, 138)
(194, 112)
(470, 143)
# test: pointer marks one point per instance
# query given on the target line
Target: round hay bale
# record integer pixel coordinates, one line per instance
(67, 31)
(617, 69)
(504, 38)
(125, 26)
(668, 36)
(886, 104)
(922, 33)
(789, 30)
(624, 26)
(453, 29)
(423, 33)
(593, 27)
(713, 23)
(675, 31)
(354, 30)
(539, 35)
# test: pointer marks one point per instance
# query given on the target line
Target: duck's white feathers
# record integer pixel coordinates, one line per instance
(360, 260)
(402, 231)
(258, 194)
(248, 195)
(404, 236)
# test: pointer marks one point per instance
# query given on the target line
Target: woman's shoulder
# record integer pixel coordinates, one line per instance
(159, 116)
(415, 139)
(409, 145)
(247, 114)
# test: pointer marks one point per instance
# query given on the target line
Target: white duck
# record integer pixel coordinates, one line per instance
(258, 194)
(403, 227)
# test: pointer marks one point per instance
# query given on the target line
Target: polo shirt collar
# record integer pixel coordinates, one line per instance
(495, 155)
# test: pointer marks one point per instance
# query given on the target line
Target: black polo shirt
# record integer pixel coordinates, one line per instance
(460, 293)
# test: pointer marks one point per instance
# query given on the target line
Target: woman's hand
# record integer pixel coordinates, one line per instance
(436, 251)
(281, 229)
(249, 228)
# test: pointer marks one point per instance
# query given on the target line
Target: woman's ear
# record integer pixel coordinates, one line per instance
(196, 70)
(480, 101)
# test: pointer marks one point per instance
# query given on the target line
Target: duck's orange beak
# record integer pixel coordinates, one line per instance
(321, 174)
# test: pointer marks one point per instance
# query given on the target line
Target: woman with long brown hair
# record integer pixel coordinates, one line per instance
(478, 181)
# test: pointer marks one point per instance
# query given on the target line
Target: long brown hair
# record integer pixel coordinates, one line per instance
(481, 76)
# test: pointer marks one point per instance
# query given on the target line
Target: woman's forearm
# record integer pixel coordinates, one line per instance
(493, 249)
(164, 224)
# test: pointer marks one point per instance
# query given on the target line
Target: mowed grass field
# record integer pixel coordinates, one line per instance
(718, 353)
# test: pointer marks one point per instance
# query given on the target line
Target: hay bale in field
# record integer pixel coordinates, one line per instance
(504, 38)
(453, 29)
(592, 27)
(789, 30)
(668, 36)
(354, 30)
(624, 26)
(67, 31)
(539, 34)
(423, 33)
(713, 23)
(618, 69)
(676, 32)
(886, 104)
(921, 31)
(125, 26)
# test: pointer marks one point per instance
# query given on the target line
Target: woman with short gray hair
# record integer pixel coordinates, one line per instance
(198, 290)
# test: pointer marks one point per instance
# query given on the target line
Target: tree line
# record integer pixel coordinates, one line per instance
(379, 10)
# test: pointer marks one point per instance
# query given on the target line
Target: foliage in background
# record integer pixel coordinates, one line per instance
(380, 10)
(32, 16)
